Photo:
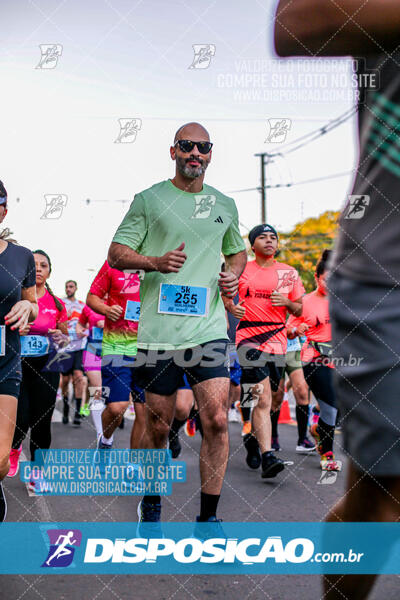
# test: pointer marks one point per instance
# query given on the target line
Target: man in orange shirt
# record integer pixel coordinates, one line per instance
(268, 290)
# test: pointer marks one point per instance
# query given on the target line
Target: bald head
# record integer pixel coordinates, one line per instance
(192, 131)
(191, 160)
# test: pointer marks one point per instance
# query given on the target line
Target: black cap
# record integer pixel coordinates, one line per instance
(260, 229)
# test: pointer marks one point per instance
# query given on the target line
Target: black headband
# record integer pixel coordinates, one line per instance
(259, 230)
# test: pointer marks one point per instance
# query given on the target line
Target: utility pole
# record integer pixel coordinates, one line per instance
(262, 156)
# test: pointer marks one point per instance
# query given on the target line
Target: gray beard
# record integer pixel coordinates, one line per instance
(191, 172)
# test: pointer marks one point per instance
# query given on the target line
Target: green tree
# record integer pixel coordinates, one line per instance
(302, 247)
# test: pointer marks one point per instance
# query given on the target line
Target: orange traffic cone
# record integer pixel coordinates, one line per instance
(284, 416)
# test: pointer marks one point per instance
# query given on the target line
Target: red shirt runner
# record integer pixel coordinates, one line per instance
(316, 315)
(263, 325)
(119, 337)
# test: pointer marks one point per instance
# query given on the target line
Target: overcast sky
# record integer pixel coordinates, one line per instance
(123, 59)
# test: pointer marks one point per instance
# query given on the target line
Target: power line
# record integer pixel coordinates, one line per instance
(268, 157)
(280, 185)
(313, 135)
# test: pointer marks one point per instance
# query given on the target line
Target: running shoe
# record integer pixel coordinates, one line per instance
(65, 411)
(271, 465)
(14, 461)
(85, 411)
(305, 447)
(39, 485)
(174, 445)
(101, 445)
(246, 428)
(122, 424)
(275, 444)
(3, 504)
(149, 517)
(212, 528)
(233, 416)
(328, 462)
(316, 436)
(77, 420)
(253, 458)
(190, 427)
(132, 409)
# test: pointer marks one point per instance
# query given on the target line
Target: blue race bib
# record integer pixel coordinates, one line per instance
(97, 334)
(293, 345)
(34, 345)
(2, 340)
(186, 300)
(132, 310)
(72, 330)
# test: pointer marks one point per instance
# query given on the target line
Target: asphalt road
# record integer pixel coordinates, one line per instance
(295, 495)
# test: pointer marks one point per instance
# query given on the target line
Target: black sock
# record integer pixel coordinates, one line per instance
(302, 421)
(326, 433)
(246, 412)
(175, 427)
(65, 400)
(274, 421)
(208, 506)
(152, 499)
(78, 403)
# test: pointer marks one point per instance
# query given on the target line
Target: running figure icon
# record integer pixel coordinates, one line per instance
(62, 550)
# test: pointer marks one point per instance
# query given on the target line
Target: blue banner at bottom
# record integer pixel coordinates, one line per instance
(199, 548)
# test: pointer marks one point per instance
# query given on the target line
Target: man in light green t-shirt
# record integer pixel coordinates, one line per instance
(175, 231)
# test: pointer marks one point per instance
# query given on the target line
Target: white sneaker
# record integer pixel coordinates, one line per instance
(306, 447)
(233, 416)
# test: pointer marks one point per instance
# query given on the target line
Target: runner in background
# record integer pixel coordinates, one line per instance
(73, 366)
(269, 290)
(315, 324)
(38, 393)
(294, 371)
(18, 306)
(115, 294)
(92, 363)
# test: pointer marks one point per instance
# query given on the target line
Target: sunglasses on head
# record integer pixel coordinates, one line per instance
(187, 146)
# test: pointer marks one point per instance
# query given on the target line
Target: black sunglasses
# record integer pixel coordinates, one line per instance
(187, 146)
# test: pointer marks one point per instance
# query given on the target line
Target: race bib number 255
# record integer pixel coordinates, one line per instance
(186, 300)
